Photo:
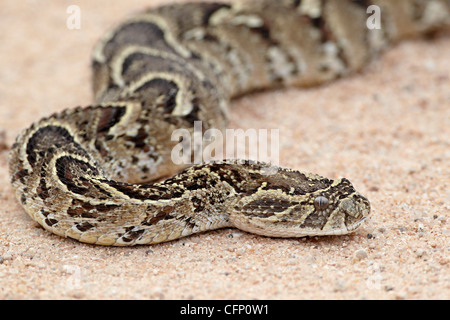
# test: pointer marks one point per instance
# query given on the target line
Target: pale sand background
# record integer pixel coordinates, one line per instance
(386, 130)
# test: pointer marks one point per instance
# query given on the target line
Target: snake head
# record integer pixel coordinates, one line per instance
(295, 204)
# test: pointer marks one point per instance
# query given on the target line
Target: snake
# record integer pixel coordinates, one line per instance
(103, 174)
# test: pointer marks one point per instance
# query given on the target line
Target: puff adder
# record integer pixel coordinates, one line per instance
(85, 173)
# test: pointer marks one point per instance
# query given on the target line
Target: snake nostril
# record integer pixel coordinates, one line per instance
(350, 207)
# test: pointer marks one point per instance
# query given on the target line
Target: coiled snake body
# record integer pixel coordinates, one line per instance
(168, 67)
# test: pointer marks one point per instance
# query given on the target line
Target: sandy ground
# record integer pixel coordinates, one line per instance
(387, 130)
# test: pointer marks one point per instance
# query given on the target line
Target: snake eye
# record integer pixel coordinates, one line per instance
(320, 203)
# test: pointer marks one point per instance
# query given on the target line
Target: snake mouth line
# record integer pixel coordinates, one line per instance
(342, 231)
(355, 226)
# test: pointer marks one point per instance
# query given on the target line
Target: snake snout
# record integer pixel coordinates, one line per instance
(357, 209)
